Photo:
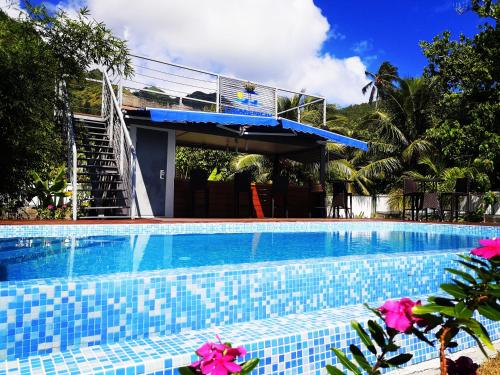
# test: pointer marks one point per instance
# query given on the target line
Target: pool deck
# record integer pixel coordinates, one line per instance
(221, 220)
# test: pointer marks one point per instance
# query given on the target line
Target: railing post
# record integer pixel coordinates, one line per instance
(120, 92)
(102, 96)
(74, 202)
(132, 184)
(324, 112)
(217, 95)
(275, 103)
(122, 152)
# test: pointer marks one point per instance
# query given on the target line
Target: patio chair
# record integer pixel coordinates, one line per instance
(242, 185)
(317, 201)
(341, 199)
(280, 190)
(462, 189)
(198, 183)
(410, 191)
(430, 200)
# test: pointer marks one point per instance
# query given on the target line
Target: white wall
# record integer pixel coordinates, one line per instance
(362, 206)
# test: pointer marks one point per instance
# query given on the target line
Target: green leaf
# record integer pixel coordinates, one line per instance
(399, 360)
(454, 290)
(462, 311)
(421, 336)
(490, 312)
(333, 370)
(377, 333)
(249, 365)
(186, 371)
(463, 274)
(346, 362)
(478, 331)
(441, 301)
(430, 309)
(365, 339)
(360, 358)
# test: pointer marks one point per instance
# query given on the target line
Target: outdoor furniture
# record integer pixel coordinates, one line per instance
(317, 199)
(198, 183)
(429, 196)
(242, 185)
(280, 190)
(462, 189)
(411, 192)
(341, 199)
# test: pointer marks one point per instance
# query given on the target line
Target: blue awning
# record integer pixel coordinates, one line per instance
(176, 116)
(169, 115)
(328, 135)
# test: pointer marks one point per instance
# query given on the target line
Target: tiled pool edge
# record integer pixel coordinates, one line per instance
(302, 346)
(54, 230)
(48, 318)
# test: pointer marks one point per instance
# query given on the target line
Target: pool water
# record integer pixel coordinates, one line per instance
(34, 257)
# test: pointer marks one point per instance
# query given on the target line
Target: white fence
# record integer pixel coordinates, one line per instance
(369, 207)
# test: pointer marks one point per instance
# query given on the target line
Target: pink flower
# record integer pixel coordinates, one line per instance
(399, 315)
(64, 206)
(218, 359)
(50, 206)
(489, 249)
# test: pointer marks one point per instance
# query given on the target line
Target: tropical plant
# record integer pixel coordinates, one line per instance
(38, 50)
(466, 75)
(475, 291)
(382, 82)
(51, 191)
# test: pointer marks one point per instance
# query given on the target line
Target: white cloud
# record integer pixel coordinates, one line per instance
(362, 47)
(11, 8)
(276, 41)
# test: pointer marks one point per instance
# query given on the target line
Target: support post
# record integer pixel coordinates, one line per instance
(322, 166)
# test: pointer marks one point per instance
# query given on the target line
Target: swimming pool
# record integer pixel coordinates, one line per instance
(24, 258)
(147, 313)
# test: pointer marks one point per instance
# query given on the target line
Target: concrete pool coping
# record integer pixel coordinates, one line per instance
(225, 220)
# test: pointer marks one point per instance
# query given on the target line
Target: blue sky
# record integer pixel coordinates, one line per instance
(391, 30)
(322, 46)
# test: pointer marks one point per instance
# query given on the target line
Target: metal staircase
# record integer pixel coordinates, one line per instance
(102, 162)
(102, 191)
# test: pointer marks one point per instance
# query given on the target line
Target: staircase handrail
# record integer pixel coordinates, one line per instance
(68, 121)
(128, 146)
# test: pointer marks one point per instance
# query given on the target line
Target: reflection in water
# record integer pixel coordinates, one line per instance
(28, 258)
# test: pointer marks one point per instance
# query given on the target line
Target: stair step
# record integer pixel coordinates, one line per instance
(96, 152)
(99, 190)
(94, 146)
(105, 208)
(104, 199)
(98, 173)
(96, 182)
(82, 126)
(91, 139)
(110, 160)
(104, 217)
(93, 166)
(92, 134)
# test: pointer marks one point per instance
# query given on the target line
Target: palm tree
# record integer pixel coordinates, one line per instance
(382, 82)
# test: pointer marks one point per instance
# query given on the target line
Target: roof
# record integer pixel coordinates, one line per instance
(265, 135)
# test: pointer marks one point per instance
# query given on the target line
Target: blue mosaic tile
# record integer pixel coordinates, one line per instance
(117, 323)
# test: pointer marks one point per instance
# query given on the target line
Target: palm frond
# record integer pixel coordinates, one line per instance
(242, 162)
(417, 148)
(379, 168)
